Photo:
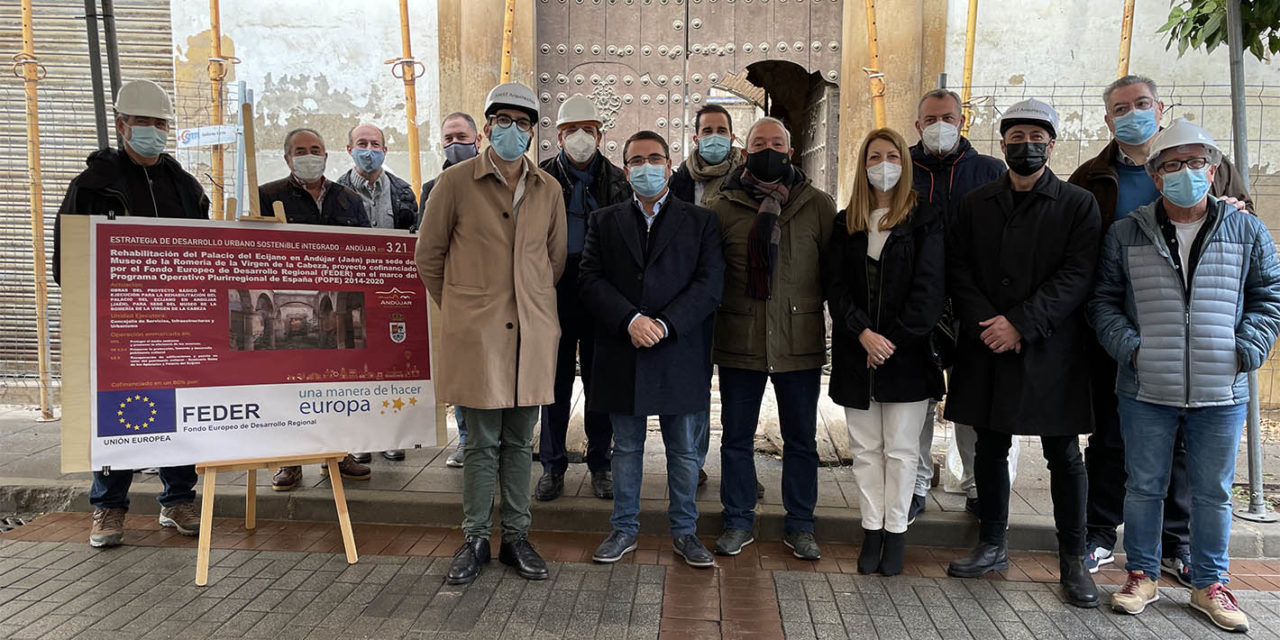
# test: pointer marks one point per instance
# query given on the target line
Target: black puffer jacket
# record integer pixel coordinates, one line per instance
(911, 285)
(100, 189)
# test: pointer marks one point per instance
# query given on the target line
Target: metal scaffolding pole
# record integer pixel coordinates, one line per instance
(95, 71)
(1126, 39)
(32, 73)
(1257, 510)
(966, 79)
(874, 75)
(113, 54)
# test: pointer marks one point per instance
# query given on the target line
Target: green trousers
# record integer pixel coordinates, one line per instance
(499, 452)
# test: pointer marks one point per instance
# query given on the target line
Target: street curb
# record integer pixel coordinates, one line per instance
(577, 514)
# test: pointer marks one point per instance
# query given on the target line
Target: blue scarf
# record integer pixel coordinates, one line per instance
(581, 200)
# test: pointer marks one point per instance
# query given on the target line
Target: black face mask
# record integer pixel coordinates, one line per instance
(768, 165)
(1026, 158)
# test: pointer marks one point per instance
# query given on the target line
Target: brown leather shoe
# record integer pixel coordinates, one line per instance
(108, 528)
(349, 468)
(286, 479)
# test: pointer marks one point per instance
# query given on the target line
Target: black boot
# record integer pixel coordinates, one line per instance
(984, 558)
(1077, 584)
(895, 547)
(872, 544)
(467, 560)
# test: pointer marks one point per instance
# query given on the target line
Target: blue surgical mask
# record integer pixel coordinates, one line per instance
(648, 179)
(714, 148)
(1186, 187)
(147, 142)
(368, 160)
(509, 141)
(1137, 126)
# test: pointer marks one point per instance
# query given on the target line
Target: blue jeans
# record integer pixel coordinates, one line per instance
(741, 392)
(680, 438)
(111, 490)
(1213, 438)
(462, 425)
(702, 424)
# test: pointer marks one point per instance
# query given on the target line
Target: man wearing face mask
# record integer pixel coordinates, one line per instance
(387, 199)
(308, 197)
(776, 228)
(589, 182)
(1119, 180)
(138, 180)
(1187, 303)
(946, 168)
(490, 250)
(1021, 253)
(652, 273)
(460, 140)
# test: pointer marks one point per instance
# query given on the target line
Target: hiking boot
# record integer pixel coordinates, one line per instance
(286, 479)
(108, 527)
(550, 486)
(731, 542)
(1096, 556)
(1216, 602)
(1138, 592)
(1178, 567)
(802, 545)
(457, 458)
(182, 517)
(349, 468)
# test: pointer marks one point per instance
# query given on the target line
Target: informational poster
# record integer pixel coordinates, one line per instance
(215, 341)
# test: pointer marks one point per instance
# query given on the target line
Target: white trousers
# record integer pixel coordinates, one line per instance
(885, 443)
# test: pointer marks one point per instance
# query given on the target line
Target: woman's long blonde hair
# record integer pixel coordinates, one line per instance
(863, 201)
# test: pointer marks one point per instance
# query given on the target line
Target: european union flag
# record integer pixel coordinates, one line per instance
(128, 413)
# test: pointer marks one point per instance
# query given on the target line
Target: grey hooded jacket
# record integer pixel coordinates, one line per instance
(1193, 345)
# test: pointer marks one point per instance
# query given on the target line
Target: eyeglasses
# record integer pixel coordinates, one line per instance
(523, 124)
(637, 161)
(1141, 104)
(1170, 166)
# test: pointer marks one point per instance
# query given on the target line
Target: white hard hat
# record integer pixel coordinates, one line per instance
(1182, 132)
(511, 95)
(578, 108)
(1030, 111)
(143, 98)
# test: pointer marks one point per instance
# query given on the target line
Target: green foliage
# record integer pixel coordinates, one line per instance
(1203, 23)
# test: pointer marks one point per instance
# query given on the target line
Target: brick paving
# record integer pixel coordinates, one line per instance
(288, 579)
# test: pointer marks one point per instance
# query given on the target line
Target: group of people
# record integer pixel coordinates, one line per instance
(1128, 302)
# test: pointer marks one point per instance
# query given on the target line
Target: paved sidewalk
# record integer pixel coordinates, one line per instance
(53, 585)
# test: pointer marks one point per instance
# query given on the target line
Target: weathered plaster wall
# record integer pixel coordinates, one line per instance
(320, 65)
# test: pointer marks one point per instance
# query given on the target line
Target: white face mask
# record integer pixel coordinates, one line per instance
(940, 138)
(580, 146)
(884, 176)
(308, 168)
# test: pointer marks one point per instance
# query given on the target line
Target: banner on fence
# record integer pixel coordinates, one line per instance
(214, 341)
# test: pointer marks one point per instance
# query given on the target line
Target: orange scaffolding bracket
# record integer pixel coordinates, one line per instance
(874, 76)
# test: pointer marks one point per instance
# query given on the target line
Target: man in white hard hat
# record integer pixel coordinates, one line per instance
(491, 248)
(138, 180)
(1118, 179)
(589, 182)
(946, 167)
(1021, 253)
(1188, 303)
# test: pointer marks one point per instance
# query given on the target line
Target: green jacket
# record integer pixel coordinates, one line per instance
(788, 331)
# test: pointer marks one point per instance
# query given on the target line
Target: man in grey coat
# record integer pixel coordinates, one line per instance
(1188, 302)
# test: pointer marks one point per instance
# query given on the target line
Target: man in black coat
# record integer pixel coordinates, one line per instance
(308, 197)
(1021, 254)
(461, 141)
(652, 273)
(137, 180)
(589, 182)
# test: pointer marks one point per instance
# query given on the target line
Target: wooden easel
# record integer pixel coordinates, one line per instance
(210, 470)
